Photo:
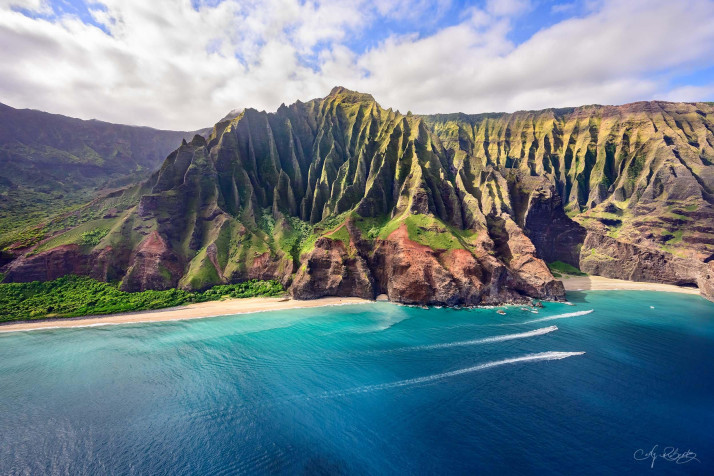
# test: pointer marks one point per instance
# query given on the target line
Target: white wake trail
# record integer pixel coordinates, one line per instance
(559, 316)
(485, 340)
(431, 378)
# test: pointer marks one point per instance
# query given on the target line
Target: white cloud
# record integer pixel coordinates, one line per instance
(39, 6)
(169, 65)
(507, 7)
(562, 7)
(690, 93)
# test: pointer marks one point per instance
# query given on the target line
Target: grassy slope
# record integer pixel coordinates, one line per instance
(558, 268)
(423, 229)
(52, 164)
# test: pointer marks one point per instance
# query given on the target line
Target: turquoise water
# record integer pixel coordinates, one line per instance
(369, 389)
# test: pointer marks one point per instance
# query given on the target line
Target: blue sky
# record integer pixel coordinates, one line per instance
(185, 63)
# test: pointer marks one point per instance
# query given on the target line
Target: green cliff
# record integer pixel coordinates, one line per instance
(338, 196)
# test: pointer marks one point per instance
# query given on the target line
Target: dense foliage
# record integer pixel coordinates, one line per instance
(72, 296)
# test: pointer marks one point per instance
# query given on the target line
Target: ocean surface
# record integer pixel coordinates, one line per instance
(370, 389)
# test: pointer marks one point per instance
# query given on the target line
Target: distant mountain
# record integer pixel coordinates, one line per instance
(338, 196)
(49, 162)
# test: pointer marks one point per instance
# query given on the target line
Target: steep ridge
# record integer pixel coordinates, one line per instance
(49, 162)
(338, 196)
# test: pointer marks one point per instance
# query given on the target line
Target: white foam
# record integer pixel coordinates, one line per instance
(432, 378)
(485, 340)
(559, 316)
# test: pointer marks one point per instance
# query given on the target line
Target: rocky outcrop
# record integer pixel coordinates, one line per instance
(267, 266)
(153, 266)
(331, 270)
(605, 256)
(413, 273)
(48, 265)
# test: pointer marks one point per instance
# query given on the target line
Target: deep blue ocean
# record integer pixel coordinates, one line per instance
(370, 389)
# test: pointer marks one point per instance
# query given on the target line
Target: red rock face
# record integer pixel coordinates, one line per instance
(416, 274)
(48, 265)
(330, 270)
(153, 266)
(268, 267)
(412, 273)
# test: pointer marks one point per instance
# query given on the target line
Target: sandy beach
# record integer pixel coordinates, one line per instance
(598, 283)
(192, 311)
(260, 304)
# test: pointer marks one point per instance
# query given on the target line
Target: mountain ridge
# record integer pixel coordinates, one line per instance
(338, 196)
(50, 162)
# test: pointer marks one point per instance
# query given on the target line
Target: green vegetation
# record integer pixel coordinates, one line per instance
(21, 239)
(431, 232)
(201, 272)
(677, 237)
(266, 222)
(72, 296)
(423, 229)
(340, 234)
(53, 164)
(93, 237)
(292, 238)
(370, 227)
(558, 268)
(87, 234)
(597, 256)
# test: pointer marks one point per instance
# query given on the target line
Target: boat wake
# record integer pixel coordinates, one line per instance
(559, 316)
(485, 340)
(454, 373)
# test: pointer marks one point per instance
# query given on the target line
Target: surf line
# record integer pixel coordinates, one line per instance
(485, 340)
(432, 378)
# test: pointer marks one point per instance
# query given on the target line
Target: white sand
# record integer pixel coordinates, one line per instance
(598, 283)
(192, 311)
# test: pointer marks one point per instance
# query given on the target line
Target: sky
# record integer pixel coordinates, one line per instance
(183, 64)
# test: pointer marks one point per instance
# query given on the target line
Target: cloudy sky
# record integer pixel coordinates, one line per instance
(183, 64)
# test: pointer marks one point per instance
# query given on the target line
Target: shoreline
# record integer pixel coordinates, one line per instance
(227, 307)
(235, 306)
(599, 283)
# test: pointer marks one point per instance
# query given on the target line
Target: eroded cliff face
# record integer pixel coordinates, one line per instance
(605, 256)
(414, 273)
(338, 196)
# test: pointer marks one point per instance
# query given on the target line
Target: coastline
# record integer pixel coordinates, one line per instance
(225, 307)
(599, 283)
(235, 306)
